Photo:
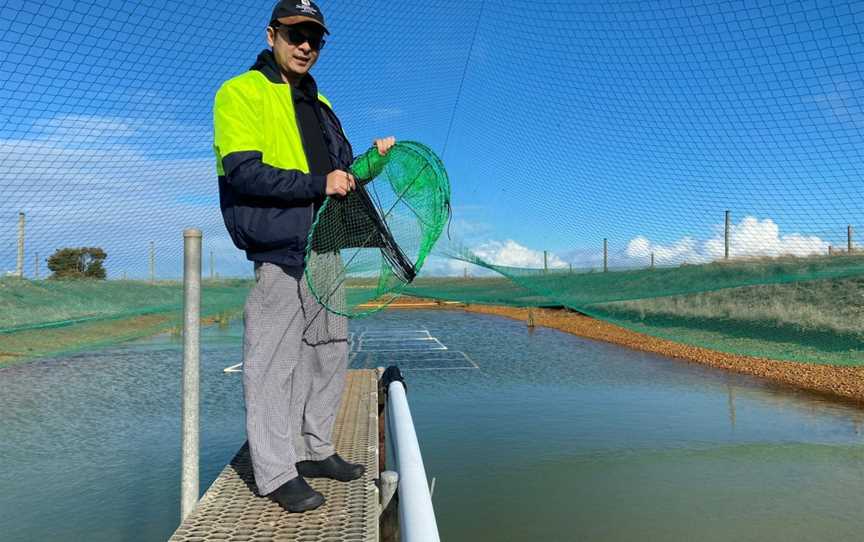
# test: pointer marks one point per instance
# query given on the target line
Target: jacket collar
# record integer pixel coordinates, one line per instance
(266, 64)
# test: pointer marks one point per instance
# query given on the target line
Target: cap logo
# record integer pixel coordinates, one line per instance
(306, 7)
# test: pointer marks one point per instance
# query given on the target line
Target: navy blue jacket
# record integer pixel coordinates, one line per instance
(269, 211)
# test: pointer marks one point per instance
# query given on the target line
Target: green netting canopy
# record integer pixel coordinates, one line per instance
(365, 248)
(692, 170)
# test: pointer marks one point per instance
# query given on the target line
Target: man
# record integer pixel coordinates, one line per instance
(280, 150)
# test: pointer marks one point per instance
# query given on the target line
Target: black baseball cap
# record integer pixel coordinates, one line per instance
(288, 12)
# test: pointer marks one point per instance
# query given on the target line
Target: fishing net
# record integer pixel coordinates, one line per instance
(365, 248)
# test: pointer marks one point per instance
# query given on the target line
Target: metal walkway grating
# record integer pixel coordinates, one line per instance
(230, 510)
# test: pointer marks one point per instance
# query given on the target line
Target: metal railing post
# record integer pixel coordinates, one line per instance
(605, 255)
(19, 268)
(416, 515)
(191, 364)
(152, 262)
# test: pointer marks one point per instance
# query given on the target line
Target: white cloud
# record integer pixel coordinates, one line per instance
(840, 98)
(468, 229)
(511, 254)
(585, 258)
(443, 266)
(82, 183)
(83, 129)
(750, 237)
(159, 135)
(754, 237)
(683, 250)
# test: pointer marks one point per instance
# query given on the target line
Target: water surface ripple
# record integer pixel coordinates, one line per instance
(552, 438)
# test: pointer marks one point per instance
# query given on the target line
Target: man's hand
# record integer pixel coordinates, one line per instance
(384, 145)
(339, 183)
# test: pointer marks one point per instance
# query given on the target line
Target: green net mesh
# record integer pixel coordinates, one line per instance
(51, 317)
(717, 147)
(582, 288)
(365, 248)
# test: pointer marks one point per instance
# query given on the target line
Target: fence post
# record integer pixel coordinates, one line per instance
(19, 268)
(191, 364)
(605, 255)
(830, 250)
(545, 261)
(36, 266)
(152, 262)
(849, 238)
(652, 260)
(726, 235)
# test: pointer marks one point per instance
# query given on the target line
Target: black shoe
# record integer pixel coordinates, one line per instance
(334, 467)
(296, 495)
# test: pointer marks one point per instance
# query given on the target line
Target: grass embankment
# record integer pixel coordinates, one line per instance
(50, 317)
(814, 322)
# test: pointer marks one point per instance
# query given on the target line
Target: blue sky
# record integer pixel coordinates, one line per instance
(641, 122)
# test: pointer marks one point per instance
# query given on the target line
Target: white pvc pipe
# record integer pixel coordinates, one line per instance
(416, 515)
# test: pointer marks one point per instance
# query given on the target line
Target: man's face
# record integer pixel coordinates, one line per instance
(296, 47)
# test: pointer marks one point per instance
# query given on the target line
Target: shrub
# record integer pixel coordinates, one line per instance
(78, 263)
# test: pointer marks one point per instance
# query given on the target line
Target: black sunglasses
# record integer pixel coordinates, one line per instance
(296, 36)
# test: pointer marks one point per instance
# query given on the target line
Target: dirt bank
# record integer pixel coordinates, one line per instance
(844, 382)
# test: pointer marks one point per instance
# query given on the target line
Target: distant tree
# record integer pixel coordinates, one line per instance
(78, 263)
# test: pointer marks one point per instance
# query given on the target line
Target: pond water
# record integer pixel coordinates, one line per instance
(530, 435)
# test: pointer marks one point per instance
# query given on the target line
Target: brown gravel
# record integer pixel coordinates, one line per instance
(843, 382)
